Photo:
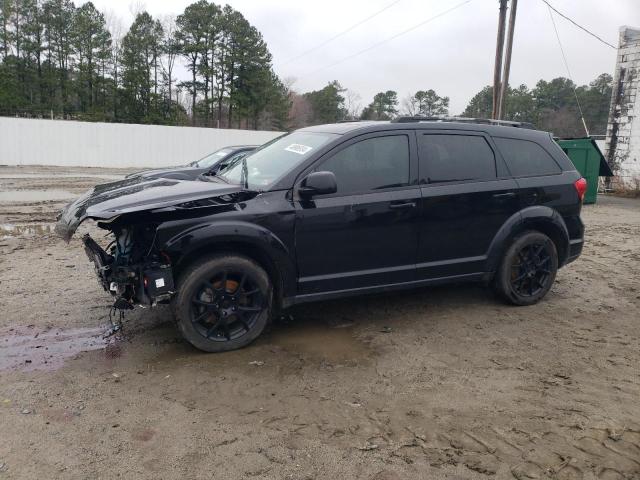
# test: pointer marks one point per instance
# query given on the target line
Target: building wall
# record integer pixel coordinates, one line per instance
(622, 147)
(69, 143)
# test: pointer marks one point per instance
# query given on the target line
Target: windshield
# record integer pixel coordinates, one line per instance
(211, 159)
(269, 163)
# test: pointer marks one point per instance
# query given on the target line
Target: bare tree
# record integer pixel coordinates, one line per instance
(300, 112)
(288, 82)
(410, 106)
(352, 101)
(171, 50)
(136, 7)
(115, 26)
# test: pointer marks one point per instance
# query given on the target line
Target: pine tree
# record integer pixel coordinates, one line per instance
(193, 28)
(57, 15)
(141, 48)
(383, 107)
(92, 46)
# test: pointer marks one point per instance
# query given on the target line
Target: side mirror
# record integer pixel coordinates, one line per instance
(318, 183)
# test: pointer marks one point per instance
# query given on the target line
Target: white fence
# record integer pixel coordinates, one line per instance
(88, 144)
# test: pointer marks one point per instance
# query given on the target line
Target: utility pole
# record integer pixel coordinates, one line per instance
(498, 63)
(504, 84)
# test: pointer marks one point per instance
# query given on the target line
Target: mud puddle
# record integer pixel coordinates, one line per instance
(311, 341)
(317, 340)
(29, 348)
(8, 196)
(29, 229)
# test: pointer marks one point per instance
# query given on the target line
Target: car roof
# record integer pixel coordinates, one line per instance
(360, 127)
(342, 127)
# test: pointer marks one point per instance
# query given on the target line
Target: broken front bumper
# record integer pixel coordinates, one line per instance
(101, 260)
(141, 283)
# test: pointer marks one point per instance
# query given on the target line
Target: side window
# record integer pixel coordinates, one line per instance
(525, 158)
(371, 164)
(451, 158)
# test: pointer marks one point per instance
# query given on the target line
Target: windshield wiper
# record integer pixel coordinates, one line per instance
(244, 178)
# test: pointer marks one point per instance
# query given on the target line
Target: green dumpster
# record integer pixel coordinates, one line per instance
(589, 161)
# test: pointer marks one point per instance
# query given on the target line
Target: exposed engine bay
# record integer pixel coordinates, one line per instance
(130, 268)
(135, 267)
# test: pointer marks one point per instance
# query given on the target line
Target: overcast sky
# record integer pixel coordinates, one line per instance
(453, 54)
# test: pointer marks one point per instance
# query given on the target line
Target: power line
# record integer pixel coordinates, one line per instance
(329, 40)
(388, 39)
(566, 64)
(579, 26)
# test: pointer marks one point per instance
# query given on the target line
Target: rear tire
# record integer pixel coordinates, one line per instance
(528, 269)
(223, 303)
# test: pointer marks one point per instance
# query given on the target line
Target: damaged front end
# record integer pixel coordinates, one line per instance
(131, 269)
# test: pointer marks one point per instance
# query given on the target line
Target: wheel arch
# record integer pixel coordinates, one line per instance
(250, 240)
(539, 218)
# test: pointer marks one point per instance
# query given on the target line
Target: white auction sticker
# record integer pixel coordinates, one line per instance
(297, 148)
(159, 282)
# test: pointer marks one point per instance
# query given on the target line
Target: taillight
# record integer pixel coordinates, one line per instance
(581, 188)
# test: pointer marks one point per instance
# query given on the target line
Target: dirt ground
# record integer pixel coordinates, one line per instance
(433, 383)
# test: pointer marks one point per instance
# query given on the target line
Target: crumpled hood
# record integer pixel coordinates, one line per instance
(107, 201)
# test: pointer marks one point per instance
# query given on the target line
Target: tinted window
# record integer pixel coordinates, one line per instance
(526, 158)
(371, 164)
(449, 158)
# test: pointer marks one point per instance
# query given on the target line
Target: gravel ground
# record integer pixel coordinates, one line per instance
(433, 383)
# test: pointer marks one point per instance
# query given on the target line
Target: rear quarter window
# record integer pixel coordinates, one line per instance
(525, 158)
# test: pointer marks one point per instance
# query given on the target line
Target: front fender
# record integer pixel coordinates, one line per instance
(538, 217)
(207, 237)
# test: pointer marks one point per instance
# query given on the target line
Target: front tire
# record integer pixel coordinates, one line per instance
(528, 269)
(223, 303)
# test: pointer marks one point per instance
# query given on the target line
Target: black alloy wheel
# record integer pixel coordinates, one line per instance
(530, 272)
(226, 306)
(528, 269)
(223, 303)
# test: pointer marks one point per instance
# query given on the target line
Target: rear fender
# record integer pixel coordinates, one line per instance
(539, 217)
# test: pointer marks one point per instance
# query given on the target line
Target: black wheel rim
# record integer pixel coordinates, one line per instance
(531, 270)
(226, 306)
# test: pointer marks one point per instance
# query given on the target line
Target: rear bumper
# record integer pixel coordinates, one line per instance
(575, 249)
(575, 229)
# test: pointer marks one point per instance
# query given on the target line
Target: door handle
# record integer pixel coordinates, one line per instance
(504, 196)
(402, 205)
(532, 198)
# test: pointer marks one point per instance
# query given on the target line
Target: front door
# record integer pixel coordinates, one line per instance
(365, 234)
(467, 195)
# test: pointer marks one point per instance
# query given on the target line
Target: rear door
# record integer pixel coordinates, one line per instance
(467, 195)
(538, 175)
(366, 234)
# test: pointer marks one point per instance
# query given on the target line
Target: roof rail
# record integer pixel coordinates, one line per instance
(485, 121)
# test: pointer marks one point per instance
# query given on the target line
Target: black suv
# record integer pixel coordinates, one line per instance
(336, 210)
